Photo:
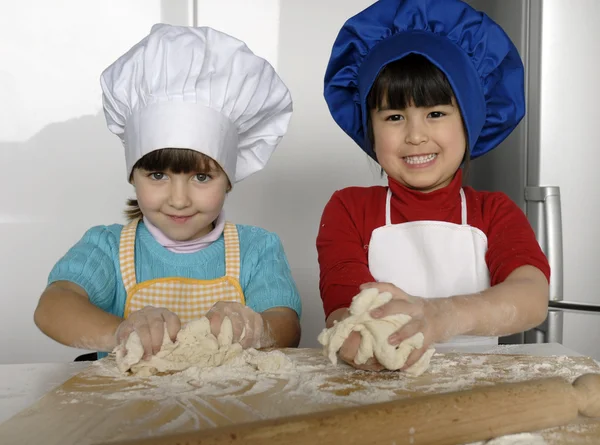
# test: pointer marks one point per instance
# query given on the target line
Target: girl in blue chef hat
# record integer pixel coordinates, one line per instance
(196, 112)
(422, 86)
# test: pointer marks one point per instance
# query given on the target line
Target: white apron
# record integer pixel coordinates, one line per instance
(432, 259)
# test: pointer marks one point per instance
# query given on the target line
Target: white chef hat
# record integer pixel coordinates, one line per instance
(200, 89)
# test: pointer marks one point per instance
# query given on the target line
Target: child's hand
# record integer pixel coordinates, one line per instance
(425, 313)
(248, 326)
(149, 324)
(348, 353)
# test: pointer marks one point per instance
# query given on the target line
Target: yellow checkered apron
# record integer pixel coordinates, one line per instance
(189, 298)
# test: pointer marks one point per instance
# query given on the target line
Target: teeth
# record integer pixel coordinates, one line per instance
(420, 159)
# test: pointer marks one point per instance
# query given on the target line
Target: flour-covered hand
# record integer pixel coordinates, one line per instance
(249, 328)
(349, 350)
(149, 323)
(425, 318)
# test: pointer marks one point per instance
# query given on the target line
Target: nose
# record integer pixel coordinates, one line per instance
(179, 197)
(416, 132)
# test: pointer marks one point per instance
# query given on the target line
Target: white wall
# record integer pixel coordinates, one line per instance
(314, 159)
(64, 171)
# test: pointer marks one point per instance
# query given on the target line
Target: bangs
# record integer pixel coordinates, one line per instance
(177, 160)
(412, 80)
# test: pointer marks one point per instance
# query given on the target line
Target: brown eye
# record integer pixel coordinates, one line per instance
(436, 114)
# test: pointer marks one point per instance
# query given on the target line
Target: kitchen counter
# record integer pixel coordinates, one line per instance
(22, 384)
(98, 405)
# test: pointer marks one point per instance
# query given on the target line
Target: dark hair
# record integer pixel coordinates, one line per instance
(175, 160)
(412, 80)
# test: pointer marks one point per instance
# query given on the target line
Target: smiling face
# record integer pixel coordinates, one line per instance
(419, 147)
(181, 192)
(415, 124)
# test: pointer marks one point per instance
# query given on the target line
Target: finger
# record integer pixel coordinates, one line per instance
(219, 306)
(253, 328)
(247, 335)
(385, 287)
(238, 324)
(381, 287)
(368, 285)
(173, 324)
(146, 339)
(247, 339)
(215, 319)
(259, 339)
(371, 365)
(123, 332)
(350, 346)
(157, 330)
(413, 358)
(407, 331)
(393, 307)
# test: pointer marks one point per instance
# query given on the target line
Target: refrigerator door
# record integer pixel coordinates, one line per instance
(504, 169)
(568, 155)
(558, 148)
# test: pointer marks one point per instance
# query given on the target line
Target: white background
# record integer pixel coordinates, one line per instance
(64, 172)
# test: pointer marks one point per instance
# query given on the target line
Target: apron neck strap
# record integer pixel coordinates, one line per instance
(388, 213)
(388, 200)
(463, 207)
(127, 254)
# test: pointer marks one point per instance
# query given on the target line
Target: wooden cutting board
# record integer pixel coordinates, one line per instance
(99, 406)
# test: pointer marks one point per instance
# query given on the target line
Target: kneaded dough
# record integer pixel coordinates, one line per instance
(195, 346)
(374, 335)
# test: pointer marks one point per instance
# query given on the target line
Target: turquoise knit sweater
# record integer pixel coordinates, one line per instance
(93, 264)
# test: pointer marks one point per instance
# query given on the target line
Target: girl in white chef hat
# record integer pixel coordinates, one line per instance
(196, 111)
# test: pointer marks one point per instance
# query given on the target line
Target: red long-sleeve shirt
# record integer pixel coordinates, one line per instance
(353, 213)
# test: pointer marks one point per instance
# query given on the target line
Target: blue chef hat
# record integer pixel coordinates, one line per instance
(478, 58)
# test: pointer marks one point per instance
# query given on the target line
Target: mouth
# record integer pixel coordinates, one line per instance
(420, 160)
(179, 219)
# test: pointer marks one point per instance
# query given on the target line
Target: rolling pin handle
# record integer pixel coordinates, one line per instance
(587, 391)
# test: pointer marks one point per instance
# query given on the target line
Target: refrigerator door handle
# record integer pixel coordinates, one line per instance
(571, 306)
(549, 232)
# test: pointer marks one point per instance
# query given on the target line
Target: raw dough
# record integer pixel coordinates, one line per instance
(195, 346)
(273, 361)
(375, 333)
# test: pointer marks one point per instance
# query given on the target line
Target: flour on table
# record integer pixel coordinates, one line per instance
(374, 335)
(196, 347)
(515, 439)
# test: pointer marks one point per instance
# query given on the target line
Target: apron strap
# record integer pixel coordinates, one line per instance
(127, 254)
(388, 213)
(232, 251)
(463, 208)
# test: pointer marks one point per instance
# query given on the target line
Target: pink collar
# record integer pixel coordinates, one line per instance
(190, 246)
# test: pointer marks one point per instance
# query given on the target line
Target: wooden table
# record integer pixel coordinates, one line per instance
(98, 406)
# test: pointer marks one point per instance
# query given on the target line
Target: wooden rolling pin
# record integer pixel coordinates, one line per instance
(441, 419)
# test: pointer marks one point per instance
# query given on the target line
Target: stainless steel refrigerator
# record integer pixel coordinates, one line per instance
(550, 164)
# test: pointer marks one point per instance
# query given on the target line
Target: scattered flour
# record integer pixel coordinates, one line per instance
(515, 439)
(247, 388)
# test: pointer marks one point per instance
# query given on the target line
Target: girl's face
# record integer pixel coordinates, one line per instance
(182, 205)
(420, 147)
